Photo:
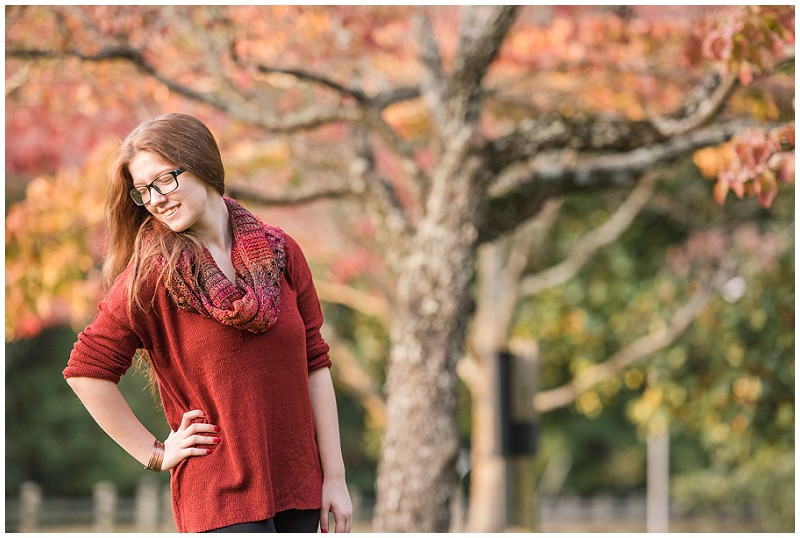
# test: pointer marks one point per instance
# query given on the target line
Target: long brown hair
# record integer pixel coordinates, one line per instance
(136, 238)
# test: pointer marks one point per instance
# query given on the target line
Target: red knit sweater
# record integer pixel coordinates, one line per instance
(253, 386)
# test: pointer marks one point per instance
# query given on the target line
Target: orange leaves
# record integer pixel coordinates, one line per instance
(340, 41)
(53, 242)
(590, 59)
(409, 118)
(247, 156)
(711, 161)
(751, 164)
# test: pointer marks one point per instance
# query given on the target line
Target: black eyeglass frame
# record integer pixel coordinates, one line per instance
(137, 196)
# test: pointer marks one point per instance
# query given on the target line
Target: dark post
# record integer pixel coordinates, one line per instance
(518, 379)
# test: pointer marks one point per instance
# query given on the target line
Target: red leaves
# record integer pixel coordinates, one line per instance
(751, 164)
(746, 40)
(718, 45)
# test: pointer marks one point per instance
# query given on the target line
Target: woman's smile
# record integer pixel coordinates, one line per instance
(169, 213)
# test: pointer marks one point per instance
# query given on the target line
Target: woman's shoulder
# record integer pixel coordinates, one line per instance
(290, 244)
(128, 286)
(294, 260)
(281, 243)
(145, 280)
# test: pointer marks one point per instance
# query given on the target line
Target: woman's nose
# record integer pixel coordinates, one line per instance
(156, 197)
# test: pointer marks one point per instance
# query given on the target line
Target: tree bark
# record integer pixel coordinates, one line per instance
(416, 473)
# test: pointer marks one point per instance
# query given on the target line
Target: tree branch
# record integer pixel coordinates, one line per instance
(556, 173)
(366, 303)
(304, 120)
(316, 78)
(368, 113)
(124, 53)
(433, 80)
(395, 95)
(384, 193)
(293, 199)
(481, 33)
(378, 101)
(608, 232)
(639, 349)
(553, 131)
(704, 102)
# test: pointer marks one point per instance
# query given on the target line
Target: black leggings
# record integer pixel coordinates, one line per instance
(286, 521)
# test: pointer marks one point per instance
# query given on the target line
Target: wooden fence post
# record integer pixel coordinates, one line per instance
(148, 502)
(30, 504)
(658, 482)
(167, 522)
(105, 504)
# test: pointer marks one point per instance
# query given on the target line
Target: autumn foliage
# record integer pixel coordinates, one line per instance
(54, 242)
(442, 146)
(748, 43)
(753, 163)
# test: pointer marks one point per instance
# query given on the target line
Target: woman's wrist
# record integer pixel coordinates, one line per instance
(156, 457)
(338, 475)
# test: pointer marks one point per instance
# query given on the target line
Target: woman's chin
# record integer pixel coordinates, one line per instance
(177, 227)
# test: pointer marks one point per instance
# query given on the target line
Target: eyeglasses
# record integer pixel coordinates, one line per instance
(163, 184)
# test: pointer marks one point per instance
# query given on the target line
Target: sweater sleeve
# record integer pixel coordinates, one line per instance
(308, 305)
(106, 346)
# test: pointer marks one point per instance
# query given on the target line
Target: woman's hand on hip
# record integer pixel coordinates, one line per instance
(191, 439)
(336, 499)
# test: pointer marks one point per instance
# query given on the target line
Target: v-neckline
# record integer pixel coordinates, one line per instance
(232, 266)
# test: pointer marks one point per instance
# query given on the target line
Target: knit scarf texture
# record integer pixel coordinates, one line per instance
(259, 257)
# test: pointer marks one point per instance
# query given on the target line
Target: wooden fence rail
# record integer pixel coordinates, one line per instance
(149, 510)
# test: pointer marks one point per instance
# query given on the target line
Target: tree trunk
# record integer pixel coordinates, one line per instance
(416, 473)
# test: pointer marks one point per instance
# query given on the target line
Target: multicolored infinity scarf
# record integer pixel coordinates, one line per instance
(259, 257)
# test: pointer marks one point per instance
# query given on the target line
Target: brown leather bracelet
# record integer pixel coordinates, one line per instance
(156, 457)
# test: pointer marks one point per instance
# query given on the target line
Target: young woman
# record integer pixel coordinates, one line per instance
(224, 311)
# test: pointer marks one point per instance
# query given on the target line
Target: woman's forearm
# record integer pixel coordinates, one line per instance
(335, 497)
(326, 420)
(112, 413)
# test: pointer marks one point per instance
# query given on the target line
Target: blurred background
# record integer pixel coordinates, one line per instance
(623, 342)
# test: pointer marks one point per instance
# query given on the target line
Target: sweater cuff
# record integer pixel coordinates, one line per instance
(321, 361)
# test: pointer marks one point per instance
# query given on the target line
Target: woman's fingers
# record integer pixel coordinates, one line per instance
(323, 518)
(200, 440)
(189, 416)
(194, 451)
(184, 443)
(200, 427)
(343, 521)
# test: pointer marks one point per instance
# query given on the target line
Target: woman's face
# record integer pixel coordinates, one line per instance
(180, 209)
